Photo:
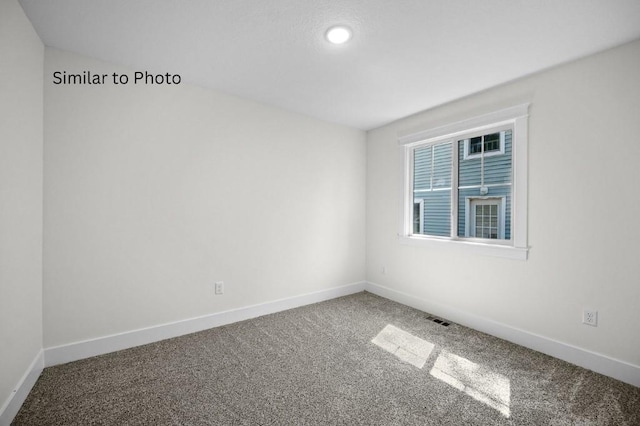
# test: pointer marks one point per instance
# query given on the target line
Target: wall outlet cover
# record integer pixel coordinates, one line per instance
(590, 317)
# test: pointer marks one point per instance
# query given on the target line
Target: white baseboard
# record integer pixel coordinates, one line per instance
(20, 392)
(102, 345)
(599, 363)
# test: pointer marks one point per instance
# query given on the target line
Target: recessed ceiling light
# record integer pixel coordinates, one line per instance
(338, 34)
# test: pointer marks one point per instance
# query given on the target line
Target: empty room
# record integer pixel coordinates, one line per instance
(295, 212)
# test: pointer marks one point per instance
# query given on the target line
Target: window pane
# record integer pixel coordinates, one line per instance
(442, 166)
(494, 172)
(432, 168)
(492, 142)
(475, 145)
(422, 168)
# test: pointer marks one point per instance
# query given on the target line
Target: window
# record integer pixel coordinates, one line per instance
(418, 216)
(465, 183)
(487, 145)
(486, 218)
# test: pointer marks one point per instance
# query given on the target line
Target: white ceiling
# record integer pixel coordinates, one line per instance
(406, 55)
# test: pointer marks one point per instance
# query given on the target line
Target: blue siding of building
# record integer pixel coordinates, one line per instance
(437, 213)
(433, 185)
(442, 166)
(422, 168)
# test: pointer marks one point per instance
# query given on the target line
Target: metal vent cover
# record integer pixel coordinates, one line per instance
(438, 320)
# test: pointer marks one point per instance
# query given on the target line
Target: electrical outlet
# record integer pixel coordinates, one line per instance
(219, 287)
(590, 317)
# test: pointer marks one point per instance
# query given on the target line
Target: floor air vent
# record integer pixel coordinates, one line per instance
(438, 321)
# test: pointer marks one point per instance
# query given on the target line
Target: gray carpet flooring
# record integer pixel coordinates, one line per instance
(355, 360)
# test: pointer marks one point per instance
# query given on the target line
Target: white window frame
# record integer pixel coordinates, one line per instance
(470, 214)
(516, 118)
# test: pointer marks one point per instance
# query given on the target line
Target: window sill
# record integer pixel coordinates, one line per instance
(508, 252)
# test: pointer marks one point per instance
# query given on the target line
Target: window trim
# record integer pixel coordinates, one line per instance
(517, 117)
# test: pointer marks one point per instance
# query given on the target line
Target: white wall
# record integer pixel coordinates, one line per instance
(584, 210)
(152, 193)
(21, 57)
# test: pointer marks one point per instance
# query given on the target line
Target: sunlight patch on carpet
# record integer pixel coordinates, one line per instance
(404, 345)
(478, 382)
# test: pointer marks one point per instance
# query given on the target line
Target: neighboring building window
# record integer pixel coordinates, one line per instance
(486, 218)
(418, 216)
(463, 182)
(488, 144)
